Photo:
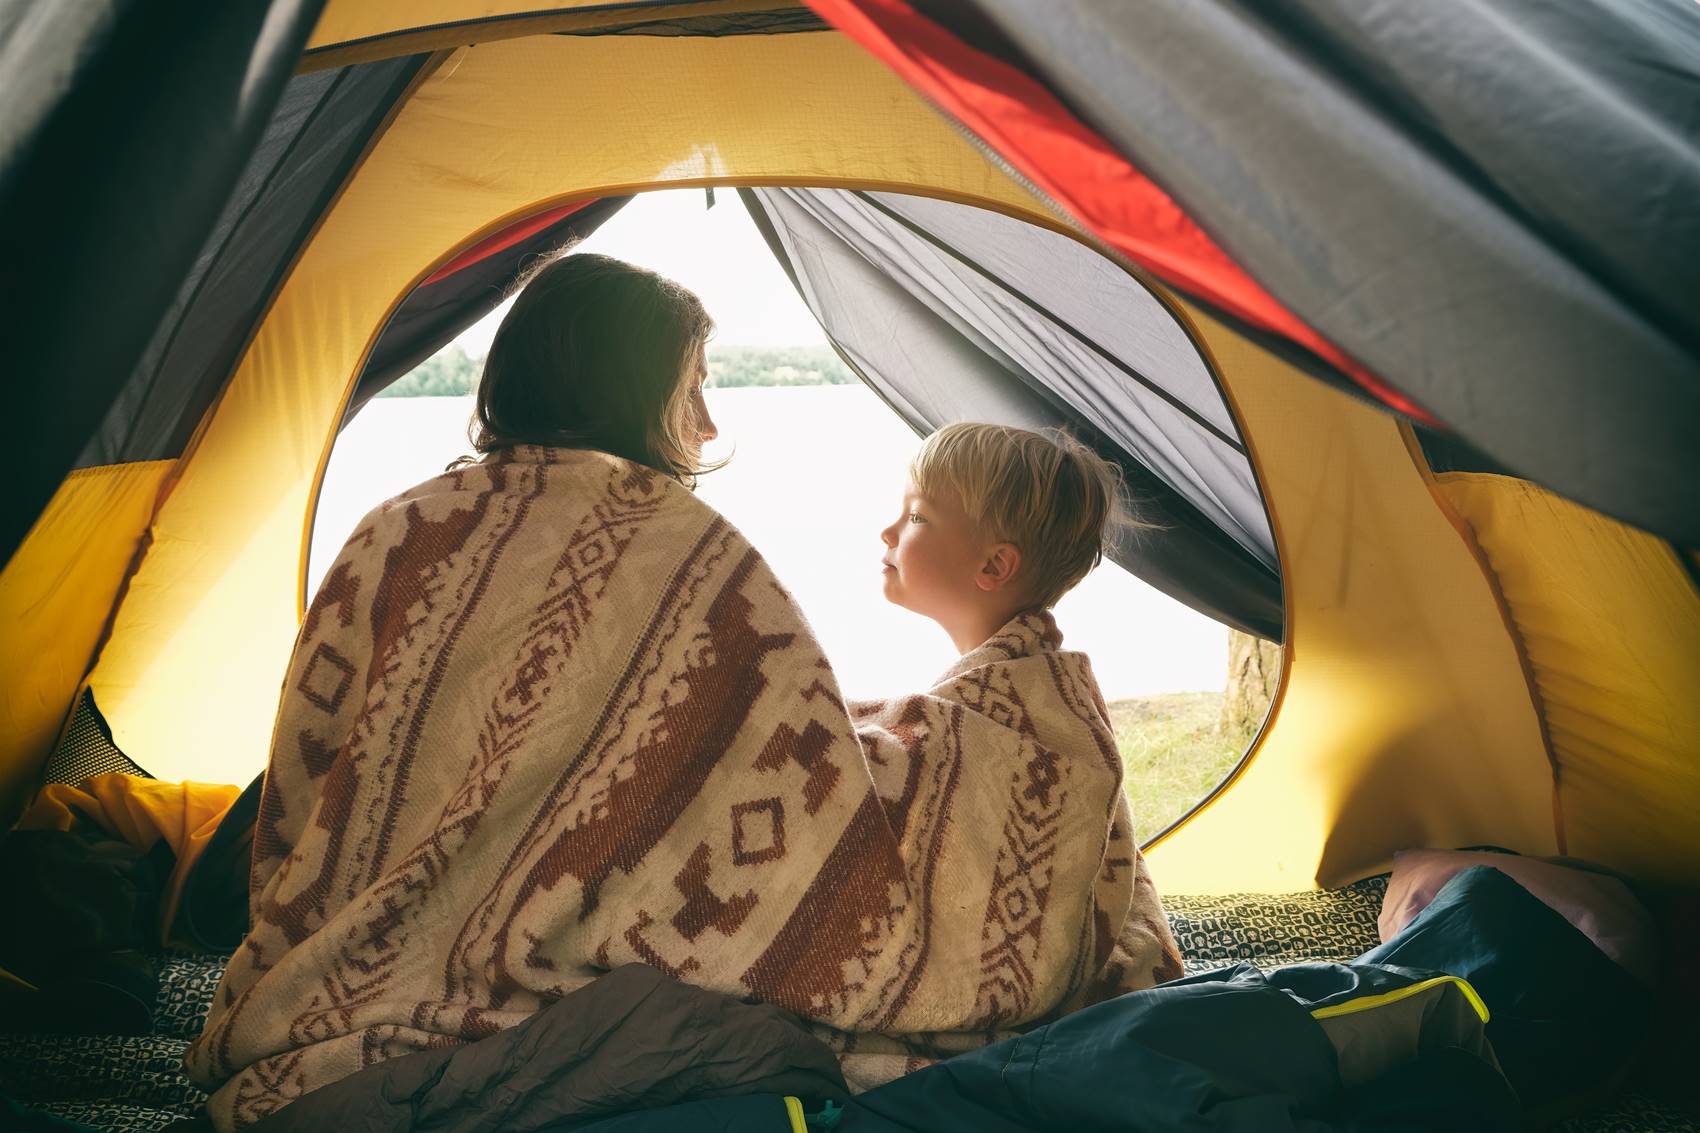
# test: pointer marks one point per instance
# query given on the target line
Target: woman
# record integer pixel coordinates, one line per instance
(549, 713)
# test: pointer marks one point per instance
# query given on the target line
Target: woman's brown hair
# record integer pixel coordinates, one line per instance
(597, 353)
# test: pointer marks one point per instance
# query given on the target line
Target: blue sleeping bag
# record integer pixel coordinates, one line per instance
(1241, 1051)
(1565, 1019)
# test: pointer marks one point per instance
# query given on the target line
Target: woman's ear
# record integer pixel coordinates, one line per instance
(1002, 564)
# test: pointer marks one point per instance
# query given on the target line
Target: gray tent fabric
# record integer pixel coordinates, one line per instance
(323, 122)
(956, 313)
(1494, 205)
(123, 128)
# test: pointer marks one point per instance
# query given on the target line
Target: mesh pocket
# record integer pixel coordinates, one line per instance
(87, 748)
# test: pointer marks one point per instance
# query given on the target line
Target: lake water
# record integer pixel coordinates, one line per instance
(816, 473)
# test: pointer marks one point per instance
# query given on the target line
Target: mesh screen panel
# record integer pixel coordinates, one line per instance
(87, 748)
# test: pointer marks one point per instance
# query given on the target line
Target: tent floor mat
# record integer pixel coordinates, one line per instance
(135, 1083)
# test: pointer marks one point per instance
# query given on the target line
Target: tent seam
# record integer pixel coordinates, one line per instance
(1183, 319)
(1467, 533)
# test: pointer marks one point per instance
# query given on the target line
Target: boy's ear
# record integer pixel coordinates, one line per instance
(1000, 567)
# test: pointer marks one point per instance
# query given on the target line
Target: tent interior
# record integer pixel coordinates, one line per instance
(1462, 667)
(1469, 658)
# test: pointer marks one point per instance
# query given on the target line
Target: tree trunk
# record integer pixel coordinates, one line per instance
(1254, 665)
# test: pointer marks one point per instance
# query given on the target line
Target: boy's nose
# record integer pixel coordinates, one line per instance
(889, 536)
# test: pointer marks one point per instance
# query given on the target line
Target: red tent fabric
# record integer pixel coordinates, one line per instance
(1046, 144)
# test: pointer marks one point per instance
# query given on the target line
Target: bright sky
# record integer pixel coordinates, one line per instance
(724, 260)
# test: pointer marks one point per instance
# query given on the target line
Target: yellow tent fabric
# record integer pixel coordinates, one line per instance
(1610, 621)
(352, 31)
(141, 812)
(56, 595)
(1462, 650)
(1403, 719)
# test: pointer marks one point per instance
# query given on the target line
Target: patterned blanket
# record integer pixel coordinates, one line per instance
(550, 714)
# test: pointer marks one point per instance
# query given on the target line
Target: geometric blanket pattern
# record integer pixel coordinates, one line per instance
(549, 713)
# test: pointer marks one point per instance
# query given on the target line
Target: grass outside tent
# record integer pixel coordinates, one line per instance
(1174, 753)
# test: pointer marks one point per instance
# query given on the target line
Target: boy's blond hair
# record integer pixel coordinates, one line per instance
(1047, 493)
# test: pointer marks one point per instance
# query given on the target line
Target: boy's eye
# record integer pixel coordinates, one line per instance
(916, 517)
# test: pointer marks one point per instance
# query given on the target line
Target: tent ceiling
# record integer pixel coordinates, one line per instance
(1483, 212)
(358, 31)
(354, 21)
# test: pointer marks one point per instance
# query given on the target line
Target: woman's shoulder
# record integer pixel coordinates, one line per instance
(546, 473)
(531, 500)
(553, 489)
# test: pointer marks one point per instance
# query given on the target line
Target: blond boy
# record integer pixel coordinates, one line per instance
(996, 522)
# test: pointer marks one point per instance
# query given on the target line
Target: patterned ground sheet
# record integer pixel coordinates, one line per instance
(136, 1084)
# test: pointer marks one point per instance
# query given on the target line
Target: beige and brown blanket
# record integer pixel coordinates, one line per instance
(550, 714)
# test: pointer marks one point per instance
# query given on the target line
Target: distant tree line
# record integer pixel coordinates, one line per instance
(452, 372)
(730, 367)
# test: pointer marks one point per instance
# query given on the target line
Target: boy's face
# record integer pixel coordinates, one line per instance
(933, 557)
